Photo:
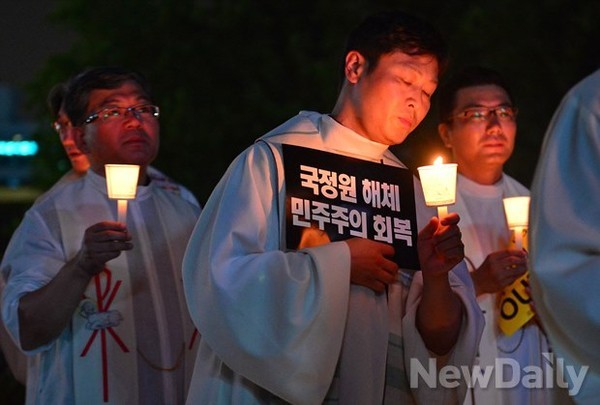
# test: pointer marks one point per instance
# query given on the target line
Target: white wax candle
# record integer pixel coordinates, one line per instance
(122, 211)
(442, 211)
(518, 237)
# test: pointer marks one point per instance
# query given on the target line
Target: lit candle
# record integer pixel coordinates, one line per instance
(517, 217)
(121, 185)
(439, 185)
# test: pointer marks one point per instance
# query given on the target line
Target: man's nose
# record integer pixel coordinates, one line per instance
(132, 119)
(66, 134)
(492, 120)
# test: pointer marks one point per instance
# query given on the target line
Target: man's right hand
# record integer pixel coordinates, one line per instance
(370, 264)
(102, 242)
(44, 313)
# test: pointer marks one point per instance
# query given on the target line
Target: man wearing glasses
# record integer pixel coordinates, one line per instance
(79, 160)
(97, 304)
(478, 124)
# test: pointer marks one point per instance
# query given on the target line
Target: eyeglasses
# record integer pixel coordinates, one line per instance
(59, 126)
(141, 112)
(480, 114)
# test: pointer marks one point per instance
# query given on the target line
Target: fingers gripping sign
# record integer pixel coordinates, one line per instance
(440, 249)
(102, 242)
(371, 264)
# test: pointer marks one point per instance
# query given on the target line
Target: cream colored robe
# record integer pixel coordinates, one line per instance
(160, 330)
(277, 324)
(565, 234)
(484, 229)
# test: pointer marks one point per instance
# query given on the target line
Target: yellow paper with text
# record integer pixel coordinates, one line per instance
(513, 302)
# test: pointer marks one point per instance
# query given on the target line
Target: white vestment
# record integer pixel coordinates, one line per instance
(147, 315)
(159, 179)
(287, 326)
(565, 234)
(484, 230)
(16, 359)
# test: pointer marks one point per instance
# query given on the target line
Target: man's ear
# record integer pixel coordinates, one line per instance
(444, 132)
(79, 138)
(355, 66)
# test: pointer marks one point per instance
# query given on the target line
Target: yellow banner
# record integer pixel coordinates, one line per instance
(513, 301)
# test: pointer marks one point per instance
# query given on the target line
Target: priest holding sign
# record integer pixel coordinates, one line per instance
(342, 320)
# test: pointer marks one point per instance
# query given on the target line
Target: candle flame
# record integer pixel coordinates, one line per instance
(438, 161)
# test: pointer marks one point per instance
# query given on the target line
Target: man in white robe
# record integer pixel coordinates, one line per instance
(565, 234)
(339, 322)
(96, 304)
(478, 124)
(80, 164)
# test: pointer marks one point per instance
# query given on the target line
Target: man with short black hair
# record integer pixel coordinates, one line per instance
(98, 304)
(79, 161)
(478, 124)
(334, 322)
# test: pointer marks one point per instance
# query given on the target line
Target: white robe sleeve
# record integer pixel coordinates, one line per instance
(32, 259)
(16, 360)
(465, 349)
(277, 318)
(463, 352)
(565, 231)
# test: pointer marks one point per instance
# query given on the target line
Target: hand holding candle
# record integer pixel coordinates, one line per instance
(517, 217)
(121, 185)
(439, 185)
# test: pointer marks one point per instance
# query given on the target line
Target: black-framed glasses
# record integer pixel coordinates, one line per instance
(141, 112)
(480, 114)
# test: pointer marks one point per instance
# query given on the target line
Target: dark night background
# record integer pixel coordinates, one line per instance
(225, 72)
